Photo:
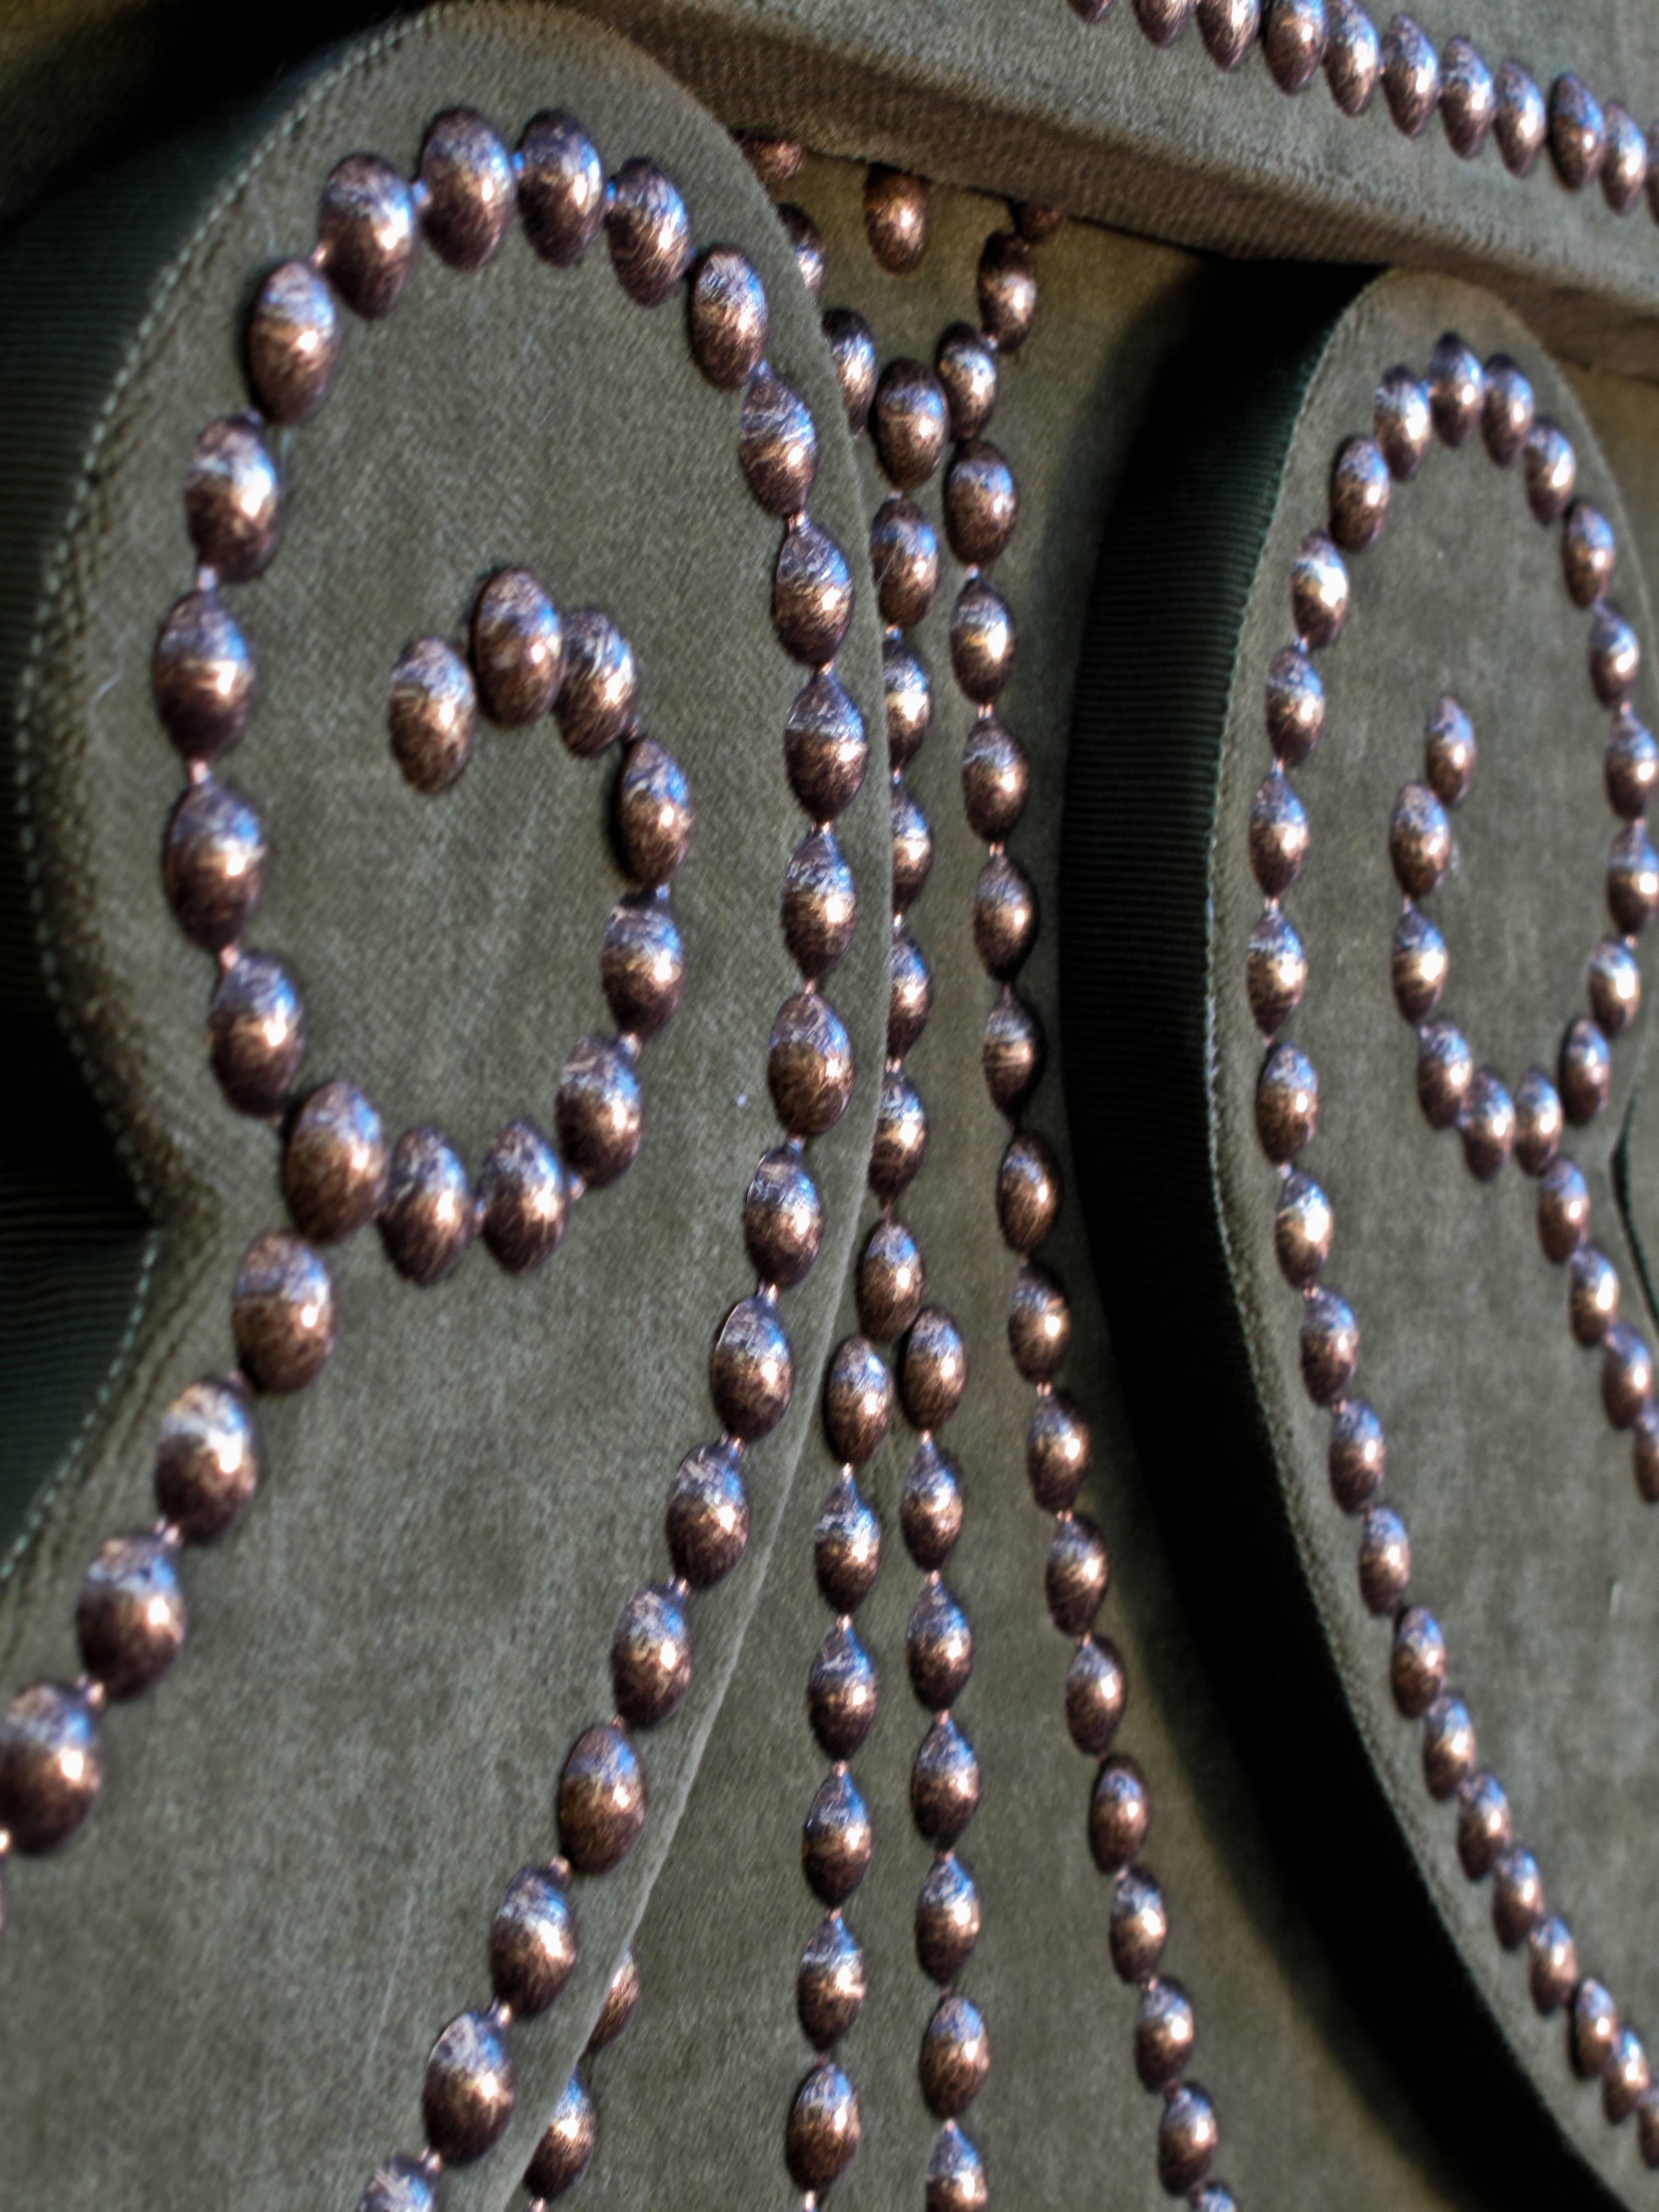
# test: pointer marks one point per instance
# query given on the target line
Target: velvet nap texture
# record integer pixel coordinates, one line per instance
(287, 1892)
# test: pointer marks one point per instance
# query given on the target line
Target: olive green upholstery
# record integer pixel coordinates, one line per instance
(225, 1989)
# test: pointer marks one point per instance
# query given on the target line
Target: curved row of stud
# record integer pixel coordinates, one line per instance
(601, 1803)
(1589, 141)
(1459, 396)
(921, 419)
(370, 224)
(1453, 1091)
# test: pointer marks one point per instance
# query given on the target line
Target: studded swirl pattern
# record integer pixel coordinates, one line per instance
(1459, 397)
(516, 659)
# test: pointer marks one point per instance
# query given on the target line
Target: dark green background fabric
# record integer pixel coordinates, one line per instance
(1528, 1535)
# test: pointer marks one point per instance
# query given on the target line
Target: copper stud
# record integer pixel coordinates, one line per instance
(1166, 2028)
(565, 2150)
(908, 698)
(966, 367)
(910, 422)
(655, 813)
(467, 2094)
(641, 964)
(846, 1548)
(824, 2129)
(1286, 1103)
(1294, 705)
(858, 1401)
(293, 342)
(213, 862)
(648, 230)
(930, 1507)
(904, 559)
(1521, 122)
(599, 1110)
(368, 232)
(601, 686)
(1507, 412)
(334, 1163)
(1013, 1053)
(601, 1800)
(830, 1983)
(1357, 1457)
(948, 1917)
(51, 1765)
(890, 1281)
(1385, 1559)
(1007, 288)
(1361, 485)
(233, 499)
(775, 161)
(1353, 56)
(852, 350)
(470, 188)
(1097, 1691)
(1457, 390)
(1189, 2134)
(1624, 166)
(708, 1516)
(1445, 1069)
(1484, 1825)
(431, 713)
(524, 1195)
(1517, 1896)
(825, 751)
(1293, 40)
(1468, 98)
(1549, 465)
(836, 1840)
(560, 187)
(807, 246)
(532, 1941)
(1119, 1814)
(130, 1616)
(811, 594)
(1538, 1121)
(425, 1221)
(1058, 1449)
(1402, 423)
(939, 1647)
(932, 1370)
(1590, 553)
(909, 993)
(996, 778)
(728, 320)
(1578, 131)
(752, 1369)
(895, 219)
(282, 1313)
(517, 648)
(1319, 590)
(651, 1656)
(782, 1218)
(983, 641)
(1411, 75)
(842, 1693)
(1592, 2028)
(1227, 28)
(202, 676)
(207, 1459)
(256, 1033)
(1552, 1966)
(944, 1783)
(809, 1064)
(955, 2056)
(982, 502)
(1139, 1926)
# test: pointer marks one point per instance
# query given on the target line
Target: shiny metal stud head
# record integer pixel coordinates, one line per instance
(966, 367)
(1228, 29)
(895, 219)
(1006, 288)
(1411, 75)
(809, 1064)
(824, 2128)
(1507, 411)
(517, 648)
(599, 1110)
(565, 2150)
(334, 1164)
(470, 188)
(468, 2091)
(1402, 423)
(811, 595)
(524, 1195)
(1520, 119)
(1468, 98)
(207, 1459)
(825, 751)
(282, 1313)
(708, 1516)
(648, 231)
(806, 245)
(752, 1369)
(955, 2056)
(601, 1800)
(910, 422)
(1357, 1456)
(1590, 553)
(782, 1218)
(947, 1921)
(293, 342)
(651, 1654)
(202, 676)
(1353, 56)
(600, 688)
(1294, 36)
(1548, 466)
(1578, 131)
(233, 499)
(944, 1784)
(532, 1941)
(1457, 390)
(853, 349)
(425, 1221)
(560, 187)
(891, 1281)
(431, 713)
(1294, 704)
(1319, 590)
(213, 862)
(367, 234)
(858, 1401)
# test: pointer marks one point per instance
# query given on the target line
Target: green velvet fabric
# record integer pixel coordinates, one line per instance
(231, 1981)
(1528, 1535)
(228, 1986)
(1014, 95)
